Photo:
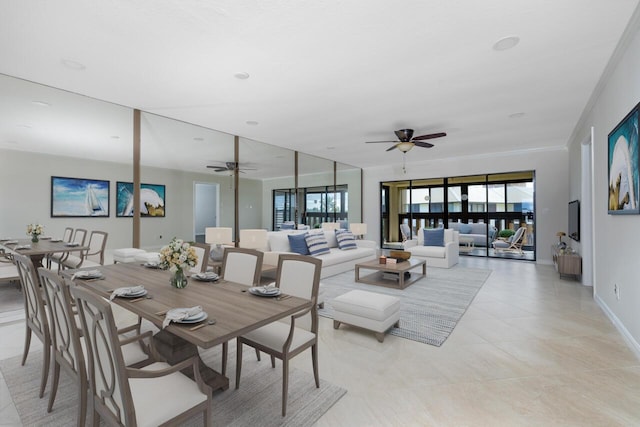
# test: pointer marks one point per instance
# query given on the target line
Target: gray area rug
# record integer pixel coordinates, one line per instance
(429, 309)
(256, 402)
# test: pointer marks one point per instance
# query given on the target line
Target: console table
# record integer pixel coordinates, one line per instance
(567, 264)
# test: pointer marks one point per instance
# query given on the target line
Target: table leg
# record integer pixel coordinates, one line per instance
(175, 349)
(357, 273)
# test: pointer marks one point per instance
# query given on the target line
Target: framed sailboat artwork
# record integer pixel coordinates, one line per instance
(79, 197)
(152, 200)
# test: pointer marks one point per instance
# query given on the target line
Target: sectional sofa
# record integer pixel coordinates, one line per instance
(335, 262)
(477, 231)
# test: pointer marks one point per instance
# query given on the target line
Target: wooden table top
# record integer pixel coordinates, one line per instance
(235, 310)
(41, 247)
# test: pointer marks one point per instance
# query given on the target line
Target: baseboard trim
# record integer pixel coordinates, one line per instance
(631, 342)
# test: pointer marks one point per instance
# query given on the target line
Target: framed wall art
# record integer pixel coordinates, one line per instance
(152, 200)
(79, 197)
(624, 159)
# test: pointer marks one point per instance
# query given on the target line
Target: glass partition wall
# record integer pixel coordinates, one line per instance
(496, 205)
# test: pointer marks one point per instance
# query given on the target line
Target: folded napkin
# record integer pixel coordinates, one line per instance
(127, 290)
(72, 244)
(10, 242)
(87, 273)
(180, 314)
(23, 247)
(209, 275)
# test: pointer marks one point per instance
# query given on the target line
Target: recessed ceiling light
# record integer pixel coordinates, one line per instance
(251, 123)
(516, 115)
(506, 43)
(115, 137)
(242, 75)
(41, 103)
(197, 138)
(73, 65)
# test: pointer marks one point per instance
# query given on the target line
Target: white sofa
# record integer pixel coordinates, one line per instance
(436, 256)
(338, 261)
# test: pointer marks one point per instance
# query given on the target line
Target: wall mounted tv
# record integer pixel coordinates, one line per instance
(574, 220)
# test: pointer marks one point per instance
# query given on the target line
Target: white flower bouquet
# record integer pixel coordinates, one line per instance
(35, 229)
(178, 255)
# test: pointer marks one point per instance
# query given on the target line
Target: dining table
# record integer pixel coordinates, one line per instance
(232, 310)
(38, 250)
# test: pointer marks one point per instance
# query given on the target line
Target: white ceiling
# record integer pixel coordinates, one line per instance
(324, 76)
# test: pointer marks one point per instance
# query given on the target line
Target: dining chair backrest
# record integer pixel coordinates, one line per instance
(242, 265)
(35, 314)
(65, 336)
(97, 244)
(107, 372)
(65, 339)
(36, 321)
(79, 236)
(202, 250)
(299, 275)
(68, 234)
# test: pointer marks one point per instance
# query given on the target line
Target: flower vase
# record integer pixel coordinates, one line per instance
(34, 238)
(179, 279)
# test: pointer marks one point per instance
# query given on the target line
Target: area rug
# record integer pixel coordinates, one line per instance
(429, 309)
(256, 402)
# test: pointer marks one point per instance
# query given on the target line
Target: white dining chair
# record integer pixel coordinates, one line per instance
(79, 237)
(299, 276)
(56, 257)
(36, 320)
(92, 257)
(202, 251)
(158, 394)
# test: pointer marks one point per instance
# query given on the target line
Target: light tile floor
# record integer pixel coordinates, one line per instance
(531, 350)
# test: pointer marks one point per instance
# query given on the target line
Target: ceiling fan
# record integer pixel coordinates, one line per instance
(229, 167)
(407, 141)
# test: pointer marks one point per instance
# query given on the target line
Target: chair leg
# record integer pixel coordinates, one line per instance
(54, 385)
(314, 361)
(238, 361)
(27, 344)
(225, 353)
(46, 361)
(82, 391)
(273, 362)
(285, 384)
(257, 354)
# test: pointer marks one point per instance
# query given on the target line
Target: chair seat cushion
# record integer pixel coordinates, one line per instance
(428, 251)
(370, 305)
(72, 261)
(156, 401)
(275, 334)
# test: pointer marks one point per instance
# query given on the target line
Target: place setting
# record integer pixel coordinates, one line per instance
(207, 276)
(135, 293)
(87, 275)
(153, 265)
(187, 316)
(268, 292)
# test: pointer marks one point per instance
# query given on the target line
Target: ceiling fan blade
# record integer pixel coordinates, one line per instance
(429, 136)
(423, 144)
(376, 142)
(392, 147)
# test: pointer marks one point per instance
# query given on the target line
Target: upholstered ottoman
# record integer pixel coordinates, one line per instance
(126, 254)
(148, 257)
(368, 310)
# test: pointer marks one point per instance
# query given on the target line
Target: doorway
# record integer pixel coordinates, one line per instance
(206, 208)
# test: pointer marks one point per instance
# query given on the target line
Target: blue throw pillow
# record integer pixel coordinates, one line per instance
(317, 244)
(346, 240)
(434, 237)
(298, 243)
(464, 229)
(288, 226)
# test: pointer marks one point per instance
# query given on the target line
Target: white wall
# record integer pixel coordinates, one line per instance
(615, 237)
(551, 187)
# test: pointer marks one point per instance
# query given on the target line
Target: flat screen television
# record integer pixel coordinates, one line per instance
(574, 220)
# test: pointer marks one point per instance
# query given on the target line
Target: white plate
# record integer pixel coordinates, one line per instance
(261, 292)
(72, 244)
(151, 265)
(193, 319)
(56, 240)
(211, 277)
(88, 275)
(135, 295)
(45, 238)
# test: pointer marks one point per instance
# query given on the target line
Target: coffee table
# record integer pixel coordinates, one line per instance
(399, 268)
(466, 243)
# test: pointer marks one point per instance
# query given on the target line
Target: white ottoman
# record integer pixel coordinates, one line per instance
(126, 254)
(148, 257)
(368, 310)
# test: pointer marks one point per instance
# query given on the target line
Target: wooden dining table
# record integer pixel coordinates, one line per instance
(43, 247)
(235, 310)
